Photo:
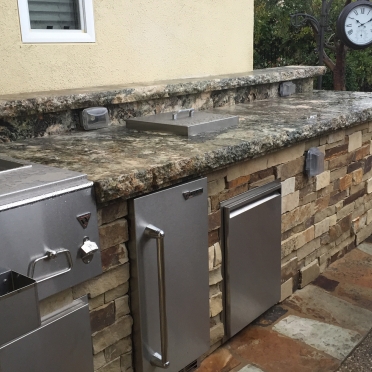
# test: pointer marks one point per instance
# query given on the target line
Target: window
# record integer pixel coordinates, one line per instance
(56, 21)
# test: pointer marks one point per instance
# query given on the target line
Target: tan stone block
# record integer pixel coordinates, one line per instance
(369, 186)
(345, 211)
(322, 149)
(309, 273)
(363, 234)
(216, 333)
(216, 186)
(126, 363)
(99, 360)
(370, 147)
(289, 269)
(211, 257)
(96, 302)
(117, 292)
(369, 216)
(308, 249)
(322, 227)
(297, 216)
(115, 332)
(332, 220)
(217, 254)
(55, 302)
(113, 233)
(118, 348)
(357, 176)
(209, 206)
(288, 246)
(305, 237)
(355, 141)
(336, 136)
(290, 169)
(122, 306)
(320, 216)
(218, 174)
(113, 366)
(286, 155)
(214, 289)
(291, 201)
(246, 168)
(286, 289)
(112, 211)
(345, 182)
(215, 305)
(215, 276)
(322, 180)
(103, 283)
(288, 186)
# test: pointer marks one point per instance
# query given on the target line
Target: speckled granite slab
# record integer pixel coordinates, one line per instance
(44, 102)
(126, 163)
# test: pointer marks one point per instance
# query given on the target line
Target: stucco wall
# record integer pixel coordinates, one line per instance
(136, 41)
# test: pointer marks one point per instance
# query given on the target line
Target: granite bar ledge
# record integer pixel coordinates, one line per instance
(125, 163)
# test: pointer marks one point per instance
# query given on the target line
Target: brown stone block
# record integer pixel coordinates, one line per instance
(214, 220)
(121, 347)
(262, 175)
(301, 181)
(238, 181)
(113, 211)
(102, 317)
(291, 168)
(322, 203)
(113, 233)
(340, 161)
(296, 216)
(336, 151)
(289, 269)
(308, 189)
(345, 182)
(114, 256)
(354, 197)
(334, 199)
(354, 166)
(213, 237)
(367, 164)
(361, 153)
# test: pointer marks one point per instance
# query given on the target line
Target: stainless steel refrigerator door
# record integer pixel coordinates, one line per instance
(252, 259)
(62, 344)
(181, 212)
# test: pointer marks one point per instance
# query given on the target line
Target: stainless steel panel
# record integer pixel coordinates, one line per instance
(62, 344)
(30, 231)
(181, 213)
(7, 165)
(19, 306)
(182, 124)
(252, 253)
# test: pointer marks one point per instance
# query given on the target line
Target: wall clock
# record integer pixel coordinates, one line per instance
(354, 25)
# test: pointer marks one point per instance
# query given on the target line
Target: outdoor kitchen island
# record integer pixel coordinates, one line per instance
(323, 217)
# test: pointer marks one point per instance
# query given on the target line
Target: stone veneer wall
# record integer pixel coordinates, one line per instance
(323, 218)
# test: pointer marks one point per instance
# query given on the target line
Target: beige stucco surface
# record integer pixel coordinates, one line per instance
(136, 41)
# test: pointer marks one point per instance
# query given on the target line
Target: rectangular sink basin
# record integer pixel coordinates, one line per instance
(11, 165)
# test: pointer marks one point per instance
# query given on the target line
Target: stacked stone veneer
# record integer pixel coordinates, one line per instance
(323, 217)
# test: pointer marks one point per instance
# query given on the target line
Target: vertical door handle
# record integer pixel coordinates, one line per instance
(157, 359)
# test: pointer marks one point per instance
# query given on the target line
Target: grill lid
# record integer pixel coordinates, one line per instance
(186, 122)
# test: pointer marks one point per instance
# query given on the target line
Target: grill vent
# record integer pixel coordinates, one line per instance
(191, 367)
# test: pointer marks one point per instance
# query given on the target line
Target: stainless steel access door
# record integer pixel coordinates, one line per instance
(252, 246)
(179, 333)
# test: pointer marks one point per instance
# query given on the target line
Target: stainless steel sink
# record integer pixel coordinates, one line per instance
(11, 165)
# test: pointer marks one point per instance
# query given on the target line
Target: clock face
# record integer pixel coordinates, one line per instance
(358, 25)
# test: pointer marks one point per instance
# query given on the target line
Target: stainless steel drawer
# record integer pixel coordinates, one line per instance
(62, 344)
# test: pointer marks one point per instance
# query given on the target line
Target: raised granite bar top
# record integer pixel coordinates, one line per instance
(125, 163)
(44, 102)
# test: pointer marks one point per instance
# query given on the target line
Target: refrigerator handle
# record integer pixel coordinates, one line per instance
(160, 360)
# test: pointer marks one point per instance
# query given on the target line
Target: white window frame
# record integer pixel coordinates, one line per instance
(85, 35)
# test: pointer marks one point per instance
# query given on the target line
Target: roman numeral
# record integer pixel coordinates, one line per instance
(349, 25)
(350, 32)
(356, 12)
(363, 9)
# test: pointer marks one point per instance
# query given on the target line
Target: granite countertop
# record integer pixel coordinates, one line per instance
(126, 163)
(43, 102)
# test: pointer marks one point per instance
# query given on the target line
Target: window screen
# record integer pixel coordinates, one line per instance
(54, 14)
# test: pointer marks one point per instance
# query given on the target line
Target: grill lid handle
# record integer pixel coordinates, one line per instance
(49, 255)
(190, 111)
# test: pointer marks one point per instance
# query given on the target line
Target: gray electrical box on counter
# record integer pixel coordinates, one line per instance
(314, 162)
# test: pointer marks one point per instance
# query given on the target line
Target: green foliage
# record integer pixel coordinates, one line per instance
(278, 43)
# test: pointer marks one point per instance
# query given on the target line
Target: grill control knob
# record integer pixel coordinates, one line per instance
(87, 250)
